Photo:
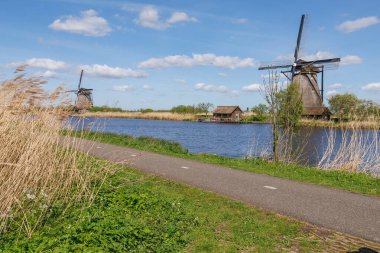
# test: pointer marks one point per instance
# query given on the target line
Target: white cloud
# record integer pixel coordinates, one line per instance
(149, 17)
(178, 17)
(320, 55)
(215, 88)
(222, 74)
(183, 81)
(44, 63)
(122, 88)
(331, 93)
(46, 74)
(240, 21)
(345, 60)
(336, 86)
(88, 24)
(372, 86)
(147, 87)
(358, 24)
(211, 87)
(234, 93)
(252, 87)
(106, 71)
(198, 60)
(350, 59)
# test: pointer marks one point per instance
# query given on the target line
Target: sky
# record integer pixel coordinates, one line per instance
(159, 54)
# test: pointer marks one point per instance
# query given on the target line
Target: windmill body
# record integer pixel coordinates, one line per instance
(84, 100)
(305, 75)
(307, 80)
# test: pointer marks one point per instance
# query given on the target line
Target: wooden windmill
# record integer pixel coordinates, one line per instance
(83, 100)
(305, 74)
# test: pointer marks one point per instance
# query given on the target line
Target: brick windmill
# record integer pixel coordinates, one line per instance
(83, 101)
(305, 74)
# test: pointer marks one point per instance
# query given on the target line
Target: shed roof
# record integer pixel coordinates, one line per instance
(226, 109)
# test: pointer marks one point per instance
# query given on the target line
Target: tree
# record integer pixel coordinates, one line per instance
(201, 107)
(260, 109)
(343, 105)
(204, 107)
(367, 108)
(285, 110)
(290, 106)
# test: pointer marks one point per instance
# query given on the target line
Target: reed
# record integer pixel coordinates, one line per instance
(37, 173)
(352, 148)
(368, 123)
(142, 115)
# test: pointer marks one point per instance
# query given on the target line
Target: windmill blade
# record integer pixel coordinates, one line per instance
(71, 91)
(275, 67)
(296, 52)
(324, 61)
(80, 79)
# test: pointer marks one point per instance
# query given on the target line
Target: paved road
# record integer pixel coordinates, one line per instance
(339, 210)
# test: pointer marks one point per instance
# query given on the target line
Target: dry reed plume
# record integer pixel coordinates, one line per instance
(353, 149)
(141, 115)
(36, 172)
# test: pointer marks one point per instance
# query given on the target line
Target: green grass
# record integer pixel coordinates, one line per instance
(355, 182)
(135, 212)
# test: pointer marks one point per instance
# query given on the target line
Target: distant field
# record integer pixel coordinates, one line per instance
(142, 115)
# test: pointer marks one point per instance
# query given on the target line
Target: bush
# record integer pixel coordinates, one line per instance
(105, 108)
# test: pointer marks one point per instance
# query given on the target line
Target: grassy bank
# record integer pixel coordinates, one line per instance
(355, 182)
(135, 212)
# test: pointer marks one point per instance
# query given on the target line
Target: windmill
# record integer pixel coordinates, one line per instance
(84, 97)
(305, 74)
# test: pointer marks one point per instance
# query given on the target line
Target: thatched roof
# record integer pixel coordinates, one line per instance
(226, 109)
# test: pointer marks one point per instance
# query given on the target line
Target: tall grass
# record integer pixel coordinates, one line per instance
(36, 172)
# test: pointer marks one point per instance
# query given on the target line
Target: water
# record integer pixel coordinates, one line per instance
(231, 140)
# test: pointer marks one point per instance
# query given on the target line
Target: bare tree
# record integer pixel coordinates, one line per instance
(271, 88)
(285, 109)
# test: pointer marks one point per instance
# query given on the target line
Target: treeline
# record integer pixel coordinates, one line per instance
(342, 106)
(350, 107)
(199, 108)
(105, 108)
(184, 109)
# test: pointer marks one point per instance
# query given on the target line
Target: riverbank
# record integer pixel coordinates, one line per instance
(355, 182)
(248, 117)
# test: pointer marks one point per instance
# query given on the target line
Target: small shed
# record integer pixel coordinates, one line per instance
(227, 114)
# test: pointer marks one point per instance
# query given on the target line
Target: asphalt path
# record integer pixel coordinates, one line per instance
(339, 210)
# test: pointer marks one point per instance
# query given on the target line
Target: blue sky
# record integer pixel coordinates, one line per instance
(157, 54)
